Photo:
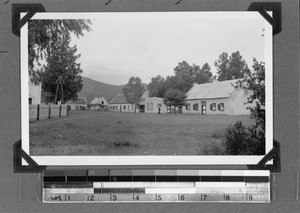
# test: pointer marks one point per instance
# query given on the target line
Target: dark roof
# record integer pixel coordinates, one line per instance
(119, 99)
(220, 89)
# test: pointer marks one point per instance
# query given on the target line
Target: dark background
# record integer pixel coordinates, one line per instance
(22, 192)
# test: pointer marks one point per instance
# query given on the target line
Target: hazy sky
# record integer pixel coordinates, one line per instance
(122, 45)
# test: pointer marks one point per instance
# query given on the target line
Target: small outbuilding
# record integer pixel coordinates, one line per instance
(99, 101)
(79, 104)
(155, 105)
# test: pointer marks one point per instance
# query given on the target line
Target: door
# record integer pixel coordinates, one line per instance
(180, 110)
(203, 109)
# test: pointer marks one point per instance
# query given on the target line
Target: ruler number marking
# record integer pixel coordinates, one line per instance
(227, 197)
(182, 197)
(56, 197)
(114, 197)
(90, 198)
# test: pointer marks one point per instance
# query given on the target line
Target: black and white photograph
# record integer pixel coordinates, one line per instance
(171, 87)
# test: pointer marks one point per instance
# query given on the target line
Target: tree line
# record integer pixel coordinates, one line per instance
(173, 88)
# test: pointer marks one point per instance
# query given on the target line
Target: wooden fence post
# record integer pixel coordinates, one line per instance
(38, 112)
(59, 110)
(49, 115)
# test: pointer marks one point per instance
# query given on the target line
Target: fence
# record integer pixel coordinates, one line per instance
(37, 112)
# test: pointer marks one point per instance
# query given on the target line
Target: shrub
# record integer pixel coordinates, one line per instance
(218, 134)
(240, 140)
(212, 148)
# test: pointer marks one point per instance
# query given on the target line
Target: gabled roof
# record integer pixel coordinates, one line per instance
(220, 89)
(98, 100)
(80, 100)
(119, 99)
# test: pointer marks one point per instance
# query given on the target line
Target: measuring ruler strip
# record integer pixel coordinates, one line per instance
(196, 186)
(121, 197)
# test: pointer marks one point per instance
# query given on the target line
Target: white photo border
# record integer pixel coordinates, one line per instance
(143, 160)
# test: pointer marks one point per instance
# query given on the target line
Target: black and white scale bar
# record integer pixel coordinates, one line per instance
(162, 186)
(155, 176)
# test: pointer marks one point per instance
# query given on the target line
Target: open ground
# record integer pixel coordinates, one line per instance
(115, 133)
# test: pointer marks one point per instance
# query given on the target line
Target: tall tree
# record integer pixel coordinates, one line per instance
(61, 61)
(174, 97)
(222, 65)
(203, 75)
(185, 76)
(231, 67)
(157, 87)
(43, 35)
(133, 91)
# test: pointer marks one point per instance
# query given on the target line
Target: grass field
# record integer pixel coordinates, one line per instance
(114, 133)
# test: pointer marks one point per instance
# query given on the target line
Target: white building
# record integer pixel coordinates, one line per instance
(217, 98)
(99, 101)
(34, 93)
(120, 104)
(155, 105)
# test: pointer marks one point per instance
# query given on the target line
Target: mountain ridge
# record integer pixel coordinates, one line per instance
(92, 88)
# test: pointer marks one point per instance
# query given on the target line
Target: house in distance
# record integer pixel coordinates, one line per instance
(79, 104)
(120, 104)
(98, 103)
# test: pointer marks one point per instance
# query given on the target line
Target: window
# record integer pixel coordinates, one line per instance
(188, 107)
(102, 102)
(30, 100)
(124, 107)
(131, 106)
(213, 107)
(195, 107)
(151, 106)
(147, 106)
(221, 107)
